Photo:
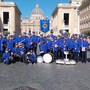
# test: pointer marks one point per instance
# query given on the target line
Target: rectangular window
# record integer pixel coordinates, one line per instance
(66, 18)
(5, 17)
(67, 30)
(5, 30)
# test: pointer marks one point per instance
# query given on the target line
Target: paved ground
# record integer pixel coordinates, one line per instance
(45, 76)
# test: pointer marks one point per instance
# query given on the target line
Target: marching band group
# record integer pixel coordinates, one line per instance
(21, 47)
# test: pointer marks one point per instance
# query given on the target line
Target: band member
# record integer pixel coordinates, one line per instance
(29, 43)
(70, 47)
(35, 41)
(43, 47)
(30, 57)
(41, 38)
(24, 37)
(80, 41)
(0, 47)
(40, 41)
(15, 52)
(59, 40)
(64, 48)
(7, 58)
(4, 43)
(0, 43)
(15, 37)
(52, 36)
(84, 49)
(55, 49)
(22, 52)
(49, 44)
(10, 43)
(76, 49)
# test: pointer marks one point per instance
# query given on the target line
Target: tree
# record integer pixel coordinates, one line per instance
(87, 32)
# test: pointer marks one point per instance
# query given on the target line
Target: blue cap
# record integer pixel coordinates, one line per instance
(41, 34)
(6, 49)
(24, 32)
(51, 31)
(29, 33)
(81, 35)
(64, 39)
(16, 43)
(22, 44)
(33, 31)
(84, 37)
(11, 35)
(55, 38)
(48, 36)
(20, 33)
(31, 51)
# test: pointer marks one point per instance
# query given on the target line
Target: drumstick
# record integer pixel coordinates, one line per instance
(21, 41)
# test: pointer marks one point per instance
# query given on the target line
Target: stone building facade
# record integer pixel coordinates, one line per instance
(32, 23)
(85, 15)
(66, 17)
(10, 17)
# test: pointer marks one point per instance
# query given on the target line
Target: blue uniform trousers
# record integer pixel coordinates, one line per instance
(83, 58)
(76, 56)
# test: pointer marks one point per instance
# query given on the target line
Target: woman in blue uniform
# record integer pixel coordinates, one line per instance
(84, 49)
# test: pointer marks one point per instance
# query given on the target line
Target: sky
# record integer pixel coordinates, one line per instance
(47, 6)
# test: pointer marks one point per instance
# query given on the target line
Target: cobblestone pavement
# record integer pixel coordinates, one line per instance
(45, 76)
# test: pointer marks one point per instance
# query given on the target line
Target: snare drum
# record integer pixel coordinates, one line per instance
(47, 58)
(39, 59)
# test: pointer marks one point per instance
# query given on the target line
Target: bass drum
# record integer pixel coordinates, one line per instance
(39, 59)
(47, 58)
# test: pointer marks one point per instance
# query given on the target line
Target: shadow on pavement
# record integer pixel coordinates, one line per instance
(24, 88)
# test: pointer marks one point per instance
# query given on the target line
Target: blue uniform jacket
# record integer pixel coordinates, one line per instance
(16, 38)
(53, 37)
(29, 43)
(24, 39)
(20, 40)
(10, 44)
(21, 50)
(6, 55)
(70, 43)
(64, 46)
(84, 43)
(49, 44)
(15, 50)
(32, 57)
(0, 44)
(55, 45)
(43, 47)
(76, 46)
(34, 38)
(3, 42)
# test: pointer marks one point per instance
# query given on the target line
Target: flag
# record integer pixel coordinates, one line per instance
(44, 25)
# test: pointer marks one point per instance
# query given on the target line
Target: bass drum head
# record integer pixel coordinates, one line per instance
(39, 59)
(47, 58)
